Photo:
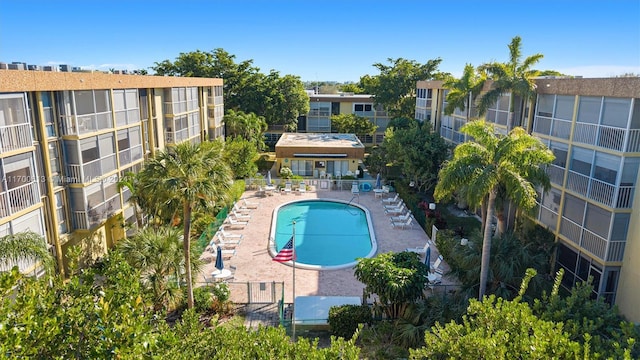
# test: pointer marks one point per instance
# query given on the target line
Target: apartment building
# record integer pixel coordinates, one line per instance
(323, 106)
(593, 128)
(66, 138)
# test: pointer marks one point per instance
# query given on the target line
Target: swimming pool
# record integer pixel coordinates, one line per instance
(330, 234)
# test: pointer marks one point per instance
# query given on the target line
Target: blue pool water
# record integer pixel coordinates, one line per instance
(329, 234)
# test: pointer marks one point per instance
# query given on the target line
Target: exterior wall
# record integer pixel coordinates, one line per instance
(292, 148)
(591, 199)
(629, 282)
(66, 139)
(346, 106)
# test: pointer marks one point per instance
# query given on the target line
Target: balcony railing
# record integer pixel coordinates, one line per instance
(611, 137)
(578, 183)
(633, 142)
(570, 230)
(88, 219)
(14, 137)
(615, 252)
(594, 244)
(601, 191)
(79, 174)
(22, 197)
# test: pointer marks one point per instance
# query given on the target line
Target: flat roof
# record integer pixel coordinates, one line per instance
(366, 98)
(31, 80)
(326, 140)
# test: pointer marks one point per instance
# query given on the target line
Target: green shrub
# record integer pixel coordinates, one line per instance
(286, 173)
(202, 299)
(344, 319)
(220, 291)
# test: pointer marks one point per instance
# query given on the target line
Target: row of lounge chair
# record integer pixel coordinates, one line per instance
(400, 215)
(228, 241)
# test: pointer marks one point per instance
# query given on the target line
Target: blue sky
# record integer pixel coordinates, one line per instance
(324, 40)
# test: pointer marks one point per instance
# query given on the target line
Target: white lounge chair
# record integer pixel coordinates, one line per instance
(355, 190)
(287, 188)
(396, 211)
(436, 264)
(391, 200)
(226, 253)
(249, 205)
(219, 240)
(422, 250)
(240, 216)
(261, 192)
(402, 224)
(302, 187)
(228, 235)
(241, 209)
(395, 205)
(235, 223)
(402, 217)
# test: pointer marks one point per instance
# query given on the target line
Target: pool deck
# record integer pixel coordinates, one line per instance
(254, 264)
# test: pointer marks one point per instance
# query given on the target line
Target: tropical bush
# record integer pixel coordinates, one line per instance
(344, 319)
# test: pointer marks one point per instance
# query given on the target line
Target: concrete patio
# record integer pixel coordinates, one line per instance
(254, 264)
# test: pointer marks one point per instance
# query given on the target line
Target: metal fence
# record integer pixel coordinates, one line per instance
(268, 292)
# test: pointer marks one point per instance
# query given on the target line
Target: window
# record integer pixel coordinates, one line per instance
(545, 105)
(47, 109)
(61, 213)
(615, 112)
(581, 160)
(573, 209)
(564, 107)
(620, 227)
(560, 150)
(597, 220)
(12, 110)
(589, 109)
(606, 167)
(362, 107)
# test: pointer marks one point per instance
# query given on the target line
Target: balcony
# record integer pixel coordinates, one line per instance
(127, 156)
(18, 198)
(89, 219)
(85, 124)
(79, 174)
(369, 114)
(15, 137)
(601, 191)
(176, 137)
(556, 174)
(594, 244)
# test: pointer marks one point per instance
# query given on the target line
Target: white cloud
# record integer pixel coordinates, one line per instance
(599, 71)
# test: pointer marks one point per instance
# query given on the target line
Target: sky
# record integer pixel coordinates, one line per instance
(324, 40)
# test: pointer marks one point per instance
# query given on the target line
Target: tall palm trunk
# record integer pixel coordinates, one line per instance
(187, 253)
(512, 111)
(486, 244)
(483, 213)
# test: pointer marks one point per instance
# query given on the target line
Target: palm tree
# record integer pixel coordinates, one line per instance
(515, 77)
(183, 177)
(157, 253)
(464, 91)
(491, 160)
(25, 245)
